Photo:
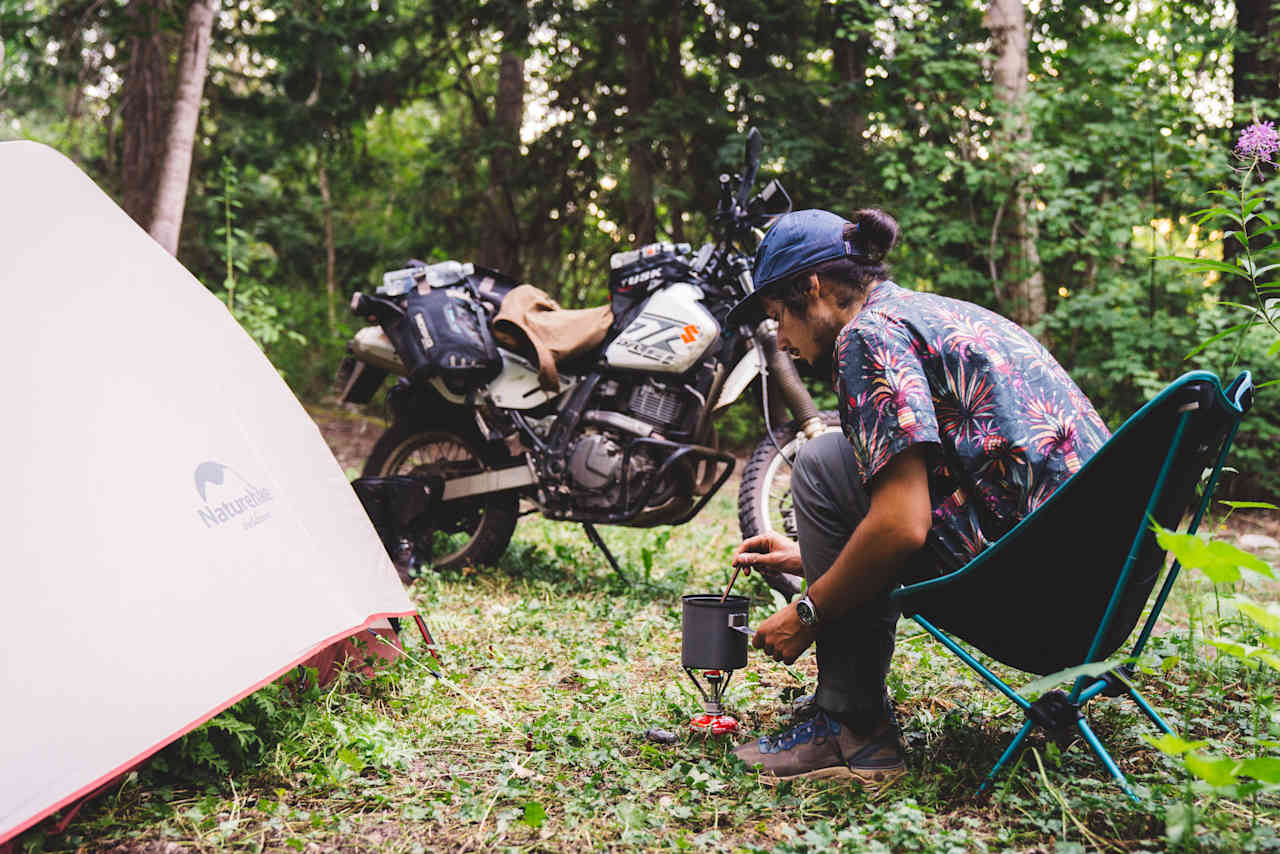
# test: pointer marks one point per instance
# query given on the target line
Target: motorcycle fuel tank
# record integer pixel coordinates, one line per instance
(669, 335)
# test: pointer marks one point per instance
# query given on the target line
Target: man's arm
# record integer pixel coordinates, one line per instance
(894, 528)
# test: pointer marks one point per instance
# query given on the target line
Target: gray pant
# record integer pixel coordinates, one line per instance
(853, 651)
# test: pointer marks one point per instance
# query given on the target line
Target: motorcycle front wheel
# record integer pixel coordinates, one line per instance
(466, 532)
(764, 498)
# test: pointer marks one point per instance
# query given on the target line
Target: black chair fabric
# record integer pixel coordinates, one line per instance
(1035, 599)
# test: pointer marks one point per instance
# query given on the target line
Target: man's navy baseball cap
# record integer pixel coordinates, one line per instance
(797, 242)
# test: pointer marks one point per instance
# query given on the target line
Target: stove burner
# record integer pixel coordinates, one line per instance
(714, 724)
(714, 721)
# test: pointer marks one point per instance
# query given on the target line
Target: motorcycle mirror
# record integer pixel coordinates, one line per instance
(771, 201)
(751, 163)
(755, 144)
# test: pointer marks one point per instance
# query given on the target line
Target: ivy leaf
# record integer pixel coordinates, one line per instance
(1214, 770)
(1180, 822)
(1171, 745)
(349, 758)
(534, 815)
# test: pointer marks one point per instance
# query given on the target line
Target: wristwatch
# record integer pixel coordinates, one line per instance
(807, 613)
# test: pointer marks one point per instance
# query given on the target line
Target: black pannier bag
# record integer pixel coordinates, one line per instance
(445, 333)
(634, 273)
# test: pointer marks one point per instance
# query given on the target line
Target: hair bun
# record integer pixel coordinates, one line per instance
(873, 232)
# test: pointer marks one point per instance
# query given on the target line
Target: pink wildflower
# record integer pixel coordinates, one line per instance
(1259, 140)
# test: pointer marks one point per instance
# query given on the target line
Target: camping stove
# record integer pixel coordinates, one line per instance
(714, 642)
(713, 720)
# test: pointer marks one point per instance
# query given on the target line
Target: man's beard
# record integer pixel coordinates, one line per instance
(820, 369)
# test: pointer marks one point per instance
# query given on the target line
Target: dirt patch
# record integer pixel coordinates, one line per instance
(350, 435)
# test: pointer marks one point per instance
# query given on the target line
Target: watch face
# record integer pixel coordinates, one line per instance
(805, 612)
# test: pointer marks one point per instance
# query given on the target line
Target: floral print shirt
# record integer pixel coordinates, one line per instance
(1004, 423)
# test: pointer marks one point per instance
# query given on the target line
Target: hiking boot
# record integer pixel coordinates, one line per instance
(822, 748)
(804, 708)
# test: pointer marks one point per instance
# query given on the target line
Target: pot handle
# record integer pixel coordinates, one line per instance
(738, 622)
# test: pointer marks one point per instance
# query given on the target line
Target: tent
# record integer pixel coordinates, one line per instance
(175, 531)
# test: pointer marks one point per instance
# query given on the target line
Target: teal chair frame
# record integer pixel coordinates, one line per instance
(1200, 421)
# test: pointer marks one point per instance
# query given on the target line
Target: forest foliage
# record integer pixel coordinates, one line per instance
(338, 138)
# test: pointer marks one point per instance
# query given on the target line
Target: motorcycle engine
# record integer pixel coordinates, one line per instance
(596, 462)
(623, 410)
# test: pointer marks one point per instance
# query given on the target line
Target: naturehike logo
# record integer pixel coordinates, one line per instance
(227, 496)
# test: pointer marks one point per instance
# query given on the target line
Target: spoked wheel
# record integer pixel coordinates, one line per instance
(466, 532)
(764, 498)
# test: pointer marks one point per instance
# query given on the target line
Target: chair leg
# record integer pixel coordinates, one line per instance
(1106, 758)
(1008, 753)
(1149, 711)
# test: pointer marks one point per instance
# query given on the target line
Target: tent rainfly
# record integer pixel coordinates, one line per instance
(176, 533)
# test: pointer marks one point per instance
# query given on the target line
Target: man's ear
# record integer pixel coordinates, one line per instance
(815, 287)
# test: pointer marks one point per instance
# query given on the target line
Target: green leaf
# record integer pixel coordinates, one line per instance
(1249, 505)
(1171, 745)
(534, 815)
(1214, 770)
(1219, 560)
(1179, 823)
(1227, 554)
(1203, 264)
(1044, 683)
(1268, 617)
(1223, 334)
(1266, 769)
(348, 757)
(1244, 653)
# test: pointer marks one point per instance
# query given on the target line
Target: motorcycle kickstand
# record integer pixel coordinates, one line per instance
(594, 536)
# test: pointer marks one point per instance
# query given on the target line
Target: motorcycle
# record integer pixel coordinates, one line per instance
(627, 438)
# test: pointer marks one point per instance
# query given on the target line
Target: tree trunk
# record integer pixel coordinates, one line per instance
(639, 69)
(501, 249)
(679, 159)
(171, 187)
(850, 48)
(1256, 68)
(1023, 278)
(1255, 76)
(330, 250)
(144, 107)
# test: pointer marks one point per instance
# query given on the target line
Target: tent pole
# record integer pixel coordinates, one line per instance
(426, 636)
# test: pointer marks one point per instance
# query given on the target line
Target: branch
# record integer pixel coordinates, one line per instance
(464, 85)
(991, 254)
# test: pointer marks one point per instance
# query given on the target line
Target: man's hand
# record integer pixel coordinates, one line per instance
(768, 552)
(783, 636)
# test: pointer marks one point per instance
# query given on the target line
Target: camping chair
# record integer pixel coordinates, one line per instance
(1066, 586)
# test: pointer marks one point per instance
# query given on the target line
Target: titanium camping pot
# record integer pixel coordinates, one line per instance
(714, 633)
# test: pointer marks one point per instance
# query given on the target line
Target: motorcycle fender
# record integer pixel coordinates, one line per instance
(747, 369)
(516, 386)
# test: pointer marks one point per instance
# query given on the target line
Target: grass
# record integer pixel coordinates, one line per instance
(533, 737)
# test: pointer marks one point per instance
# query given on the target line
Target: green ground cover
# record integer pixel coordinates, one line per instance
(532, 737)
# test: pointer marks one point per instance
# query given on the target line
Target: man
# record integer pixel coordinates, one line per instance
(956, 423)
